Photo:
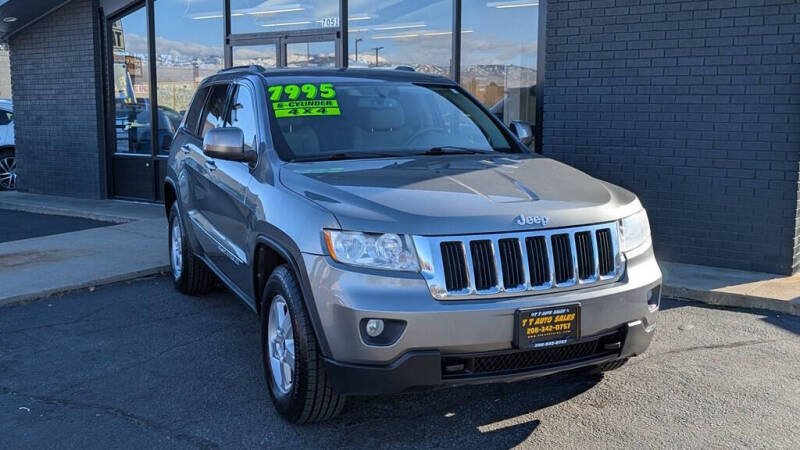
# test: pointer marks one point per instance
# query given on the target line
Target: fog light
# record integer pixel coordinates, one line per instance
(374, 327)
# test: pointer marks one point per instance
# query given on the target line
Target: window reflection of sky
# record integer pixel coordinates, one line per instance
(492, 35)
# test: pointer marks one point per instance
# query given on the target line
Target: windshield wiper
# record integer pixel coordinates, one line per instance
(453, 150)
(344, 155)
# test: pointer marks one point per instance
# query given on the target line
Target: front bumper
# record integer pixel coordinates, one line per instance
(438, 331)
(421, 369)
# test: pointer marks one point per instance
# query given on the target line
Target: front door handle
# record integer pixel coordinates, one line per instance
(185, 149)
(211, 165)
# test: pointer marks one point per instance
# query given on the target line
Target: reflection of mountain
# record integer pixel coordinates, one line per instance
(486, 74)
(500, 75)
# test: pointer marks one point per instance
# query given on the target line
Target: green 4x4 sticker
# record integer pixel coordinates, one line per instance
(317, 100)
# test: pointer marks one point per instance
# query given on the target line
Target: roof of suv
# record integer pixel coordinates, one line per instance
(387, 74)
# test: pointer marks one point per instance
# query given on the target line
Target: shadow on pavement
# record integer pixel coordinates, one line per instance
(785, 321)
(499, 415)
(788, 323)
(16, 225)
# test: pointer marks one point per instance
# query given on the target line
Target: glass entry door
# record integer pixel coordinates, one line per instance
(131, 137)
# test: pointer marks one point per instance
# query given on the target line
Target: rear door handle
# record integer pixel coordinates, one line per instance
(211, 165)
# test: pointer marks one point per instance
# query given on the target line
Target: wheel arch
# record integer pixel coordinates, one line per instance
(269, 254)
(170, 195)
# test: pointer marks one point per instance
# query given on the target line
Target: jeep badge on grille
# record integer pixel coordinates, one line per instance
(522, 219)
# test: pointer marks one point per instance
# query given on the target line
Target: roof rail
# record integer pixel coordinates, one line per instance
(251, 67)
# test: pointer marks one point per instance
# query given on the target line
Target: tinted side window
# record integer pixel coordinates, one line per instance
(194, 111)
(243, 116)
(215, 107)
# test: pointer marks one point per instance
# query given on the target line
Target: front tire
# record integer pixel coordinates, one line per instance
(189, 273)
(296, 377)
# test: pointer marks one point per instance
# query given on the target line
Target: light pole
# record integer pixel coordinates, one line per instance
(357, 41)
(377, 49)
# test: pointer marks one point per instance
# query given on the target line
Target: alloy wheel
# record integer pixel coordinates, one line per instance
(8, 173)
(176, 249)
(280, 342)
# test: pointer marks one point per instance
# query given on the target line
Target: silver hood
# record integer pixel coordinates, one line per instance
(443, 195)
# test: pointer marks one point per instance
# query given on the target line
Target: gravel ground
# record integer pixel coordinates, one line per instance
(139, 365)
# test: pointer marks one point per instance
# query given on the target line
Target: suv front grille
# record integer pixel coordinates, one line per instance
(506, 264)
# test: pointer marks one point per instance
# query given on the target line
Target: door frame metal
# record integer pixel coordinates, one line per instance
(110, 115)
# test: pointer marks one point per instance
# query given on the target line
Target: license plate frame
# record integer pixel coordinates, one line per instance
(547, 328)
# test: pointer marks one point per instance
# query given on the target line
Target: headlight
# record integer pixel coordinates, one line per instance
(378, 251)
(634, 231)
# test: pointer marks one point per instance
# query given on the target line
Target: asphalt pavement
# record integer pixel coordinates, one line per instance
(16, 225)
(137, 365)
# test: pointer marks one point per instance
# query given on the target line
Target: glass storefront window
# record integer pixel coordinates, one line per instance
(187, 51)
(262, 55)
(259, 16)
(132, 84)
(311, 54)
(416, 33)
(499, 55)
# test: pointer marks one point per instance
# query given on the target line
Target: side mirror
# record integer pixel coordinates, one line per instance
(523, 130)
(227, 143)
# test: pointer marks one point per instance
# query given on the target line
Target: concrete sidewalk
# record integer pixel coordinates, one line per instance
(729, 287)
(38, 267)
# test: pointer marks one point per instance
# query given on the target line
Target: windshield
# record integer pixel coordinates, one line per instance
(317, 121)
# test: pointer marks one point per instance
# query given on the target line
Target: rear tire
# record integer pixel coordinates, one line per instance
(308, 396)
(189, 273)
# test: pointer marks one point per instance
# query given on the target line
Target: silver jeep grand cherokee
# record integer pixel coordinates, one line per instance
(392, 235)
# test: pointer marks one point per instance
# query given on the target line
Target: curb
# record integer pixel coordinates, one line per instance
(39, 295)
(718, 298)
(54, 211)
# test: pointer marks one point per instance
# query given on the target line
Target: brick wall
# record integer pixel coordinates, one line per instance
(56, 90)
(693, 105)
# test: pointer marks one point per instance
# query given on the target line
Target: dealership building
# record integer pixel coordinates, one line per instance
(692, 104)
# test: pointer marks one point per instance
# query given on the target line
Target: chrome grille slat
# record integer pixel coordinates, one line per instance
(509, 253)
(523, 263)
(563, 256)
(484, 266)
(539, 263)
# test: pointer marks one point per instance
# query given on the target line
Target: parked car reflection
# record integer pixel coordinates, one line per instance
(8, 165)
(134, 132)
